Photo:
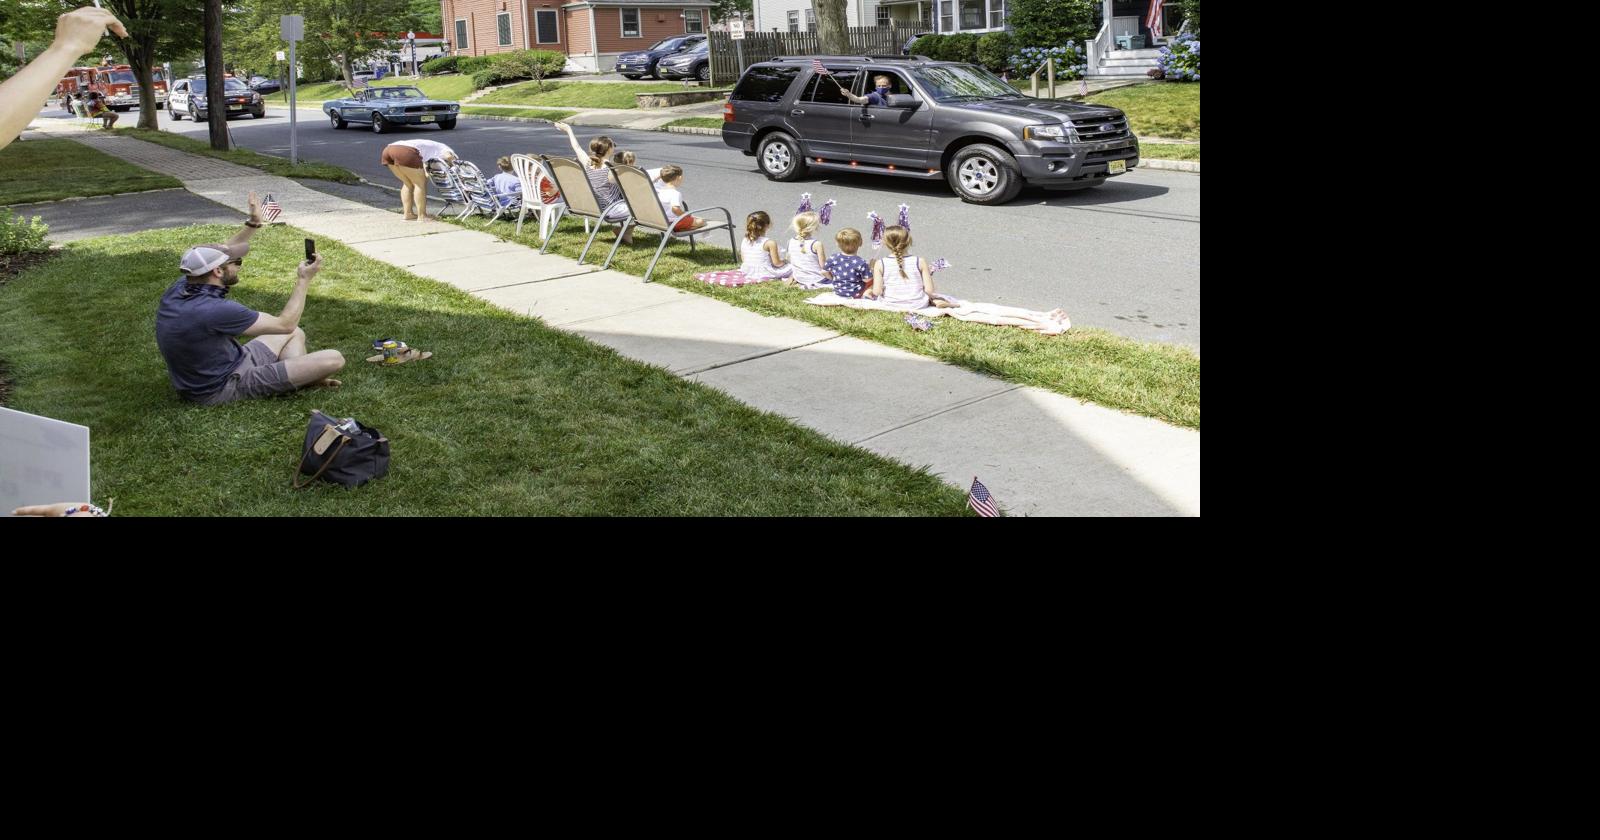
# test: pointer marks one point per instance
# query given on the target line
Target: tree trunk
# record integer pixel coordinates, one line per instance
(216, 94)
(830, 27)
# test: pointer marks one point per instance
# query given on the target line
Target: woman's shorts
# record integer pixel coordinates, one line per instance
(397, 155)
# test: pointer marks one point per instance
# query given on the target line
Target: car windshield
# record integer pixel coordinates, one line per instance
(666, 43)
(228, 86)
(394, 93)
(961, 81)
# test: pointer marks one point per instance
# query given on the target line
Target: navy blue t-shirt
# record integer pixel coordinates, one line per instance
(877, 98)
(195, 326)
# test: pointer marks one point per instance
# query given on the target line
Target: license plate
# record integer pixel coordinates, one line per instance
(1118, 167)
(427, 119)
(236, 107)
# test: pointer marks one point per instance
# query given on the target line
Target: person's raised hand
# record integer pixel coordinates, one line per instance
(79, 30)
(309, 268)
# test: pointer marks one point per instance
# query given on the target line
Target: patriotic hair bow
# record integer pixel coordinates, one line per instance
(877, 229)
(939, 264)
(805, 204)
(825, 213)
(905, 216)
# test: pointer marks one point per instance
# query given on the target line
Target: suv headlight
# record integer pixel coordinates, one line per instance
(1058, 132)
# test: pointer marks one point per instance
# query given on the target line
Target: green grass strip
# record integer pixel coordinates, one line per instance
(1168, 151)
(1149, 378)
(1159, 109)
(550, 114)
(509, 418)
(578, 94)
(244, 157)
(698, 122)
(49, 170)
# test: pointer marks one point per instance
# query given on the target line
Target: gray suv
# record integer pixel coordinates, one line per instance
(941, 119)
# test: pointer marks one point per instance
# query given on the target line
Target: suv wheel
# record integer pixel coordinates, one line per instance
(780, 158)
(984, 174)
(378, 125)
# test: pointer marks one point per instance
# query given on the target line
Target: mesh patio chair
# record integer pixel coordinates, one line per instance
(650, 215)
(477, 192)
(443, 178)
(530, 172)
(578, 199)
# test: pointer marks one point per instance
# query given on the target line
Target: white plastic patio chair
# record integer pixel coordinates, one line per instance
(529, 172)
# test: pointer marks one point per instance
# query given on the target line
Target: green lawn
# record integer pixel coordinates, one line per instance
(1169, 151)
(550, 114)
(49, 170)
(1159, 109)
(509, 418)
(698, 122)
(245, 157)
(577, 94)
(1150, 378)
(453, 88)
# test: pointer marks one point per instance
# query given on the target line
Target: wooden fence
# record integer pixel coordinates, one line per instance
(760, 46)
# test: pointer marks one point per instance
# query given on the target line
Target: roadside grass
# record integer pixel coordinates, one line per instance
(550, 114)
(1159, 109)
(578, 94)
(244, 157)
(698, 122)
(50, 170)
(1168, 151)
(437, 87)
(1149, 378)
(509, 418)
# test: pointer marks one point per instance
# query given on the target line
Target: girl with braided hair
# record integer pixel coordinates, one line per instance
(901, 281)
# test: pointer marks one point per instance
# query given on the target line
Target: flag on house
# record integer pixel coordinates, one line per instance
(1153, 20)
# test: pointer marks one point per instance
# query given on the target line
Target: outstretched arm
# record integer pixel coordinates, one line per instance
(76, 33)
(571, 138)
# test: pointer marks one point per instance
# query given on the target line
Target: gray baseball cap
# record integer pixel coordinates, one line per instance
(203, 259)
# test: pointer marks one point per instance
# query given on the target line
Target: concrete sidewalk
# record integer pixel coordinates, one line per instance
(1038, 452)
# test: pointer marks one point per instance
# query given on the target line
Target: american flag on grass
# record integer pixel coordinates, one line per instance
(979, 499)
(270, 208)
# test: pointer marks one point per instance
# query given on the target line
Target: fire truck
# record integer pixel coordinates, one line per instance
(115, 82)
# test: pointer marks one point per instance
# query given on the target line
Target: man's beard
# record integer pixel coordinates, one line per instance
(229, 279)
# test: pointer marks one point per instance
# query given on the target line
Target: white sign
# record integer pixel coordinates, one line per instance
(411, 36)
(292, 27)
(736, 30)
(280, 56)
(42, 461)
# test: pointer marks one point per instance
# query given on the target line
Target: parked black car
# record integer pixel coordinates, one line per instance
(906, 50)
(262, 84)
(693, 63)
(632, 65)
(943, 119)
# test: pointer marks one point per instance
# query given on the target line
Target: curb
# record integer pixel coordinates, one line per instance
(689, 129)
(1174, 165)
(504, 119)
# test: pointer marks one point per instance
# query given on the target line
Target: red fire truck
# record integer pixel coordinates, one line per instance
(121, 89)
(76, 81)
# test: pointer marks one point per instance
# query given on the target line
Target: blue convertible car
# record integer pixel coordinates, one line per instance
(386, 107)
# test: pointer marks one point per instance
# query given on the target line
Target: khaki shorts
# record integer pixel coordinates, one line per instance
(259, 374)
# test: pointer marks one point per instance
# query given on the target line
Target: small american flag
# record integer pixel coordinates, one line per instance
(938, 265)
(270, 208)
(825, 214)
(805, 204)
(877, 229)
(816, 65)
(978, 499)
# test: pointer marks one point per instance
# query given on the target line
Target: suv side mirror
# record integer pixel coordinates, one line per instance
(904, 100)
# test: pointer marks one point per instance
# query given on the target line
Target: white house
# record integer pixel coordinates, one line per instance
(955, 15)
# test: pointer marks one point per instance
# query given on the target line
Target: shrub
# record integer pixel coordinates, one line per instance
(994, 51)
(1070, 63)
(928, 45)
(20, 236)
(1180, 62)
(960, 47)
(440, 64)
(514, 66)
(1047, 23)
(1191, 11)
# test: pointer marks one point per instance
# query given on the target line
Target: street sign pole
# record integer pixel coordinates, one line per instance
(736, 32)
(293, 28)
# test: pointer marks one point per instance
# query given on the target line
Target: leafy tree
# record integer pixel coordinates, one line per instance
(1052, 23)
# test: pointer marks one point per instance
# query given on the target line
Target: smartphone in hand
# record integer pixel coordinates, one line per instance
(311, 250)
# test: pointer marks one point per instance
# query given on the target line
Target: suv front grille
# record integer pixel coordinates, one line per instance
(1096, 129)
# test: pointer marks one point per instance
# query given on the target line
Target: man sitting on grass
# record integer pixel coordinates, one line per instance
(196, 323)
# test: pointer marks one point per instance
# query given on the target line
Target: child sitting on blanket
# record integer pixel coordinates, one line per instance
(807, 254)
(762, 259)
(850, 273)
(672, 199)
(892, 285)
(507, 189)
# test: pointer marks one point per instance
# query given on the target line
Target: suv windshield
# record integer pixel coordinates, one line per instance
(667, 43)
(228, 86)
(962, 81)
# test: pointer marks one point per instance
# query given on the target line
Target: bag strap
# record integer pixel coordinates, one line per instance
(295, 481)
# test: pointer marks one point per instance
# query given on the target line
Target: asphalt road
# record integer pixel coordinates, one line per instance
(1124, 256)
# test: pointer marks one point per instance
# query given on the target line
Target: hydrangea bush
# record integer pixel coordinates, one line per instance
(1180, 62)
(1070, 63)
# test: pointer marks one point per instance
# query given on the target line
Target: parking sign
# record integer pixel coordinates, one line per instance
(736, 30)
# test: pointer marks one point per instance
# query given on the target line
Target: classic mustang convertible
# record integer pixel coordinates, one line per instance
(386, 107)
